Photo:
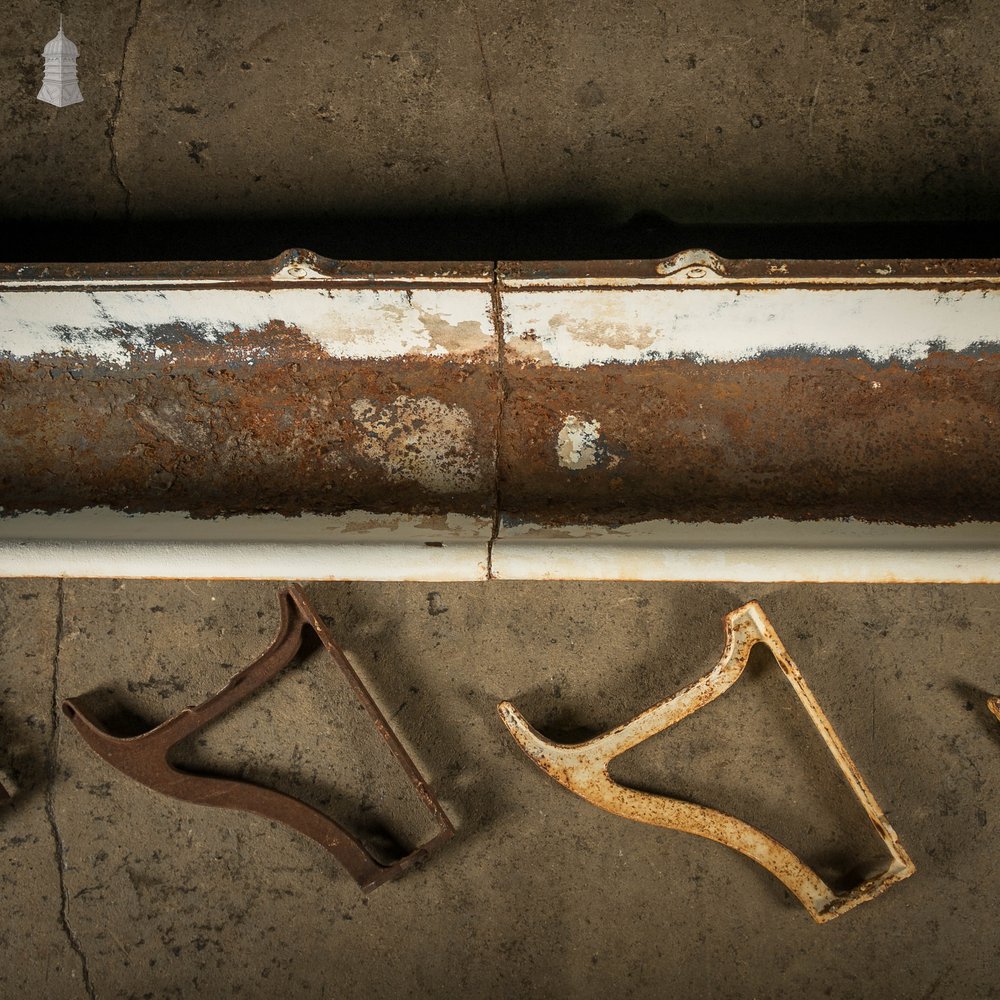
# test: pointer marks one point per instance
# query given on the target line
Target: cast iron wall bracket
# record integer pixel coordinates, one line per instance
(145, 757)
(583, 769)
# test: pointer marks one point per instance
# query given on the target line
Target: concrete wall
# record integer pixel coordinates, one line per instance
(507, 129)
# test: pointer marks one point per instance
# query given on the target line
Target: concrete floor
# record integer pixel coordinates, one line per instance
(113, 891)
(506, 129)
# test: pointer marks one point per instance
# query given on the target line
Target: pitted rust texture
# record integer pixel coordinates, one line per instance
(259, 422)
(788, 437)
(798, 438)
(265, 420)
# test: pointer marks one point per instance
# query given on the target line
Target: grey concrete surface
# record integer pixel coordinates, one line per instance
(814, 110)
(539, 893)
(42, 957)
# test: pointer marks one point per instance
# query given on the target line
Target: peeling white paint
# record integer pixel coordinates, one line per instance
(578, 445)
(105, 524)
(365, 323)
(569, 327)
(421, 440)
(584, 326)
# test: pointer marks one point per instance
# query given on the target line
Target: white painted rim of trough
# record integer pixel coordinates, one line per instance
(365, 546)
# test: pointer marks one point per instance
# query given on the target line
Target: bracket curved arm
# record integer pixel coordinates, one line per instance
(145, 758)
(583, 769)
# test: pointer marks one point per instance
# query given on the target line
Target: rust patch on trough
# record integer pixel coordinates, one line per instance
(206, 432)
(794, 437)
(187, 416)
(583, 769)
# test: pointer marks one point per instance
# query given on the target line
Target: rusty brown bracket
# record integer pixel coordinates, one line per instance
(583, 769)
(145, 757)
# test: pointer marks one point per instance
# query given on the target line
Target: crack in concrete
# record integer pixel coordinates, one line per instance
(489, 99)
(60, 850)
(496, 310)
(112, 128)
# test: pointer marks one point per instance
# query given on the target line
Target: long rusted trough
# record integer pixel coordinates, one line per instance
(688, 418)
